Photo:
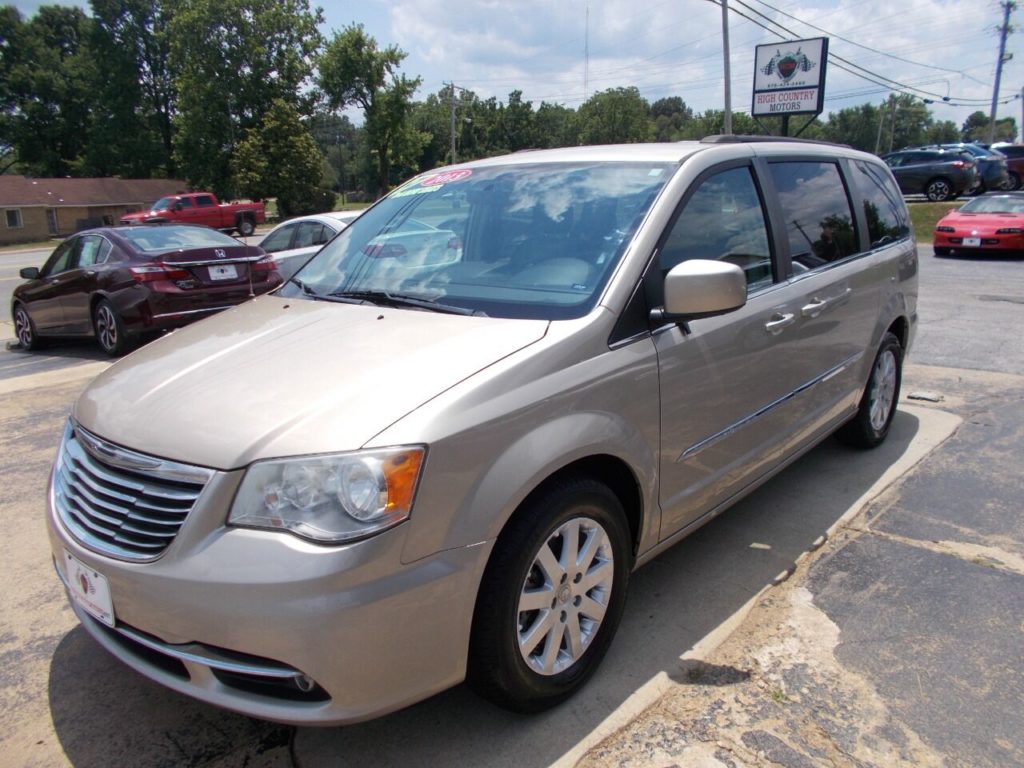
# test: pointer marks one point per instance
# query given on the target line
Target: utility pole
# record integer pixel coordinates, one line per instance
(725, 60)
(453, 123)
(1004, 30)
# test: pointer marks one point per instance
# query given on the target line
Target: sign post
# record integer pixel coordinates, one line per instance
(789, 79)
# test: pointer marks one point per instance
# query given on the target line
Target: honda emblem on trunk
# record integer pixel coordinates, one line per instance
(220, 253)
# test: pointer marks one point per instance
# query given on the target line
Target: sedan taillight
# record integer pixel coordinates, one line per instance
(1010, 231)
(945, 229)
(263, 266)
(158, 271)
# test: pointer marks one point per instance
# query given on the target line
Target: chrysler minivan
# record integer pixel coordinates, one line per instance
(438, 451)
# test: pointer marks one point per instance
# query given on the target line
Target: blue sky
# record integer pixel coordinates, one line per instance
(674, 47)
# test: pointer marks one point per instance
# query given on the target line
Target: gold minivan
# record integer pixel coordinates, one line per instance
(438, 451)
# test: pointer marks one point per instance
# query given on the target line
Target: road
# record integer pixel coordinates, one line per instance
(65, 701)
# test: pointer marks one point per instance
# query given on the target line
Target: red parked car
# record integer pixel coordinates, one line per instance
(993, 223)
(119, 283)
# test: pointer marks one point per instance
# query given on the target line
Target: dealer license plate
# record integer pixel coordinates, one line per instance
(223, 272)
(972, 242)
(89, 589)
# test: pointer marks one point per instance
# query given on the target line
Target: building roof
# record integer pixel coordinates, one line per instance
(26, 192)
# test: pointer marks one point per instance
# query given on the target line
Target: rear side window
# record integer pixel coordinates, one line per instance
(204, 201)
(816, 209)
(884, 209)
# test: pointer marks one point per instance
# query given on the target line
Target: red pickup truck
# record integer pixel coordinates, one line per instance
(202, 208)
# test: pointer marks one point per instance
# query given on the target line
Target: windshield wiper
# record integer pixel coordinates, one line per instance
(388, 299)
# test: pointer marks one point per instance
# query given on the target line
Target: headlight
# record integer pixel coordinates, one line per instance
(332, 498)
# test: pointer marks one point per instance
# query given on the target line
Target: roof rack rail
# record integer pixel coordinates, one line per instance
(734, 138)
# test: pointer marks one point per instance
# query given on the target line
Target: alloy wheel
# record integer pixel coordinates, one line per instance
(883, 389)
(565, 596)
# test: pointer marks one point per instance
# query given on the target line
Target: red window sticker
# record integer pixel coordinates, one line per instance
(446, 177)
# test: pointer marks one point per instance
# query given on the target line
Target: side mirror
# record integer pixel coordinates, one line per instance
(179, 205)
(29, 273)
(702, 288)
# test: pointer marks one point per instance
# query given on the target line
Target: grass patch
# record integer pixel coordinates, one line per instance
(926, 215)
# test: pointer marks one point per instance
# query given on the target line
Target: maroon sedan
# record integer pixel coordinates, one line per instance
(119, 283)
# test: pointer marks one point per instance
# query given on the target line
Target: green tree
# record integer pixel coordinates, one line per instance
(354, 71)
(232, 59)
(279, 158)
(555, 126)
(614, 116)
(136, 88)
(48, 73)
(670, 117)
(975, 128)
(856, 126)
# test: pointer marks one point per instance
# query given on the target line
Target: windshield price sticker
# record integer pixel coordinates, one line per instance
(89, 589)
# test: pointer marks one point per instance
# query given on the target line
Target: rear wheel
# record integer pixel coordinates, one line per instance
(869, 427)
(551, 597)
(246, 226)
(109, 330)
(25, 329)
(938, 190)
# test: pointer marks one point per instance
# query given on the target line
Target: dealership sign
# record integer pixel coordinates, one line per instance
(789, 77)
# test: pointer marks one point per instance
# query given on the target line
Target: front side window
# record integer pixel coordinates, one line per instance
(60, 259)
(816, 209)
(884, 209)
(723, 220)
(514, 241)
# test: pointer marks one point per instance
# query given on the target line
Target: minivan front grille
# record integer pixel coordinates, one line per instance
(122, 503)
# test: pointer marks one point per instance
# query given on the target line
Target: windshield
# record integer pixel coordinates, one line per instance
(163, 204)
(994, 205)
(515, 241)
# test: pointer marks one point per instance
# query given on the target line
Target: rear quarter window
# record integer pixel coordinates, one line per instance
(884, 209)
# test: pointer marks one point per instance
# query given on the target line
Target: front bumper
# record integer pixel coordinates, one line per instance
(273, 627)
(987, 242)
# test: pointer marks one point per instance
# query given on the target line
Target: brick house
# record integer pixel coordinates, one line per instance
(38, 209)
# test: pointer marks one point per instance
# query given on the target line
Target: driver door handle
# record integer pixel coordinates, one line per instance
(779, 322)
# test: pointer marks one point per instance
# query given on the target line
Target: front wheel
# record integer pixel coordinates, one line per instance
(551, 597)
(109, 330)
(25, 329)
(869, 427)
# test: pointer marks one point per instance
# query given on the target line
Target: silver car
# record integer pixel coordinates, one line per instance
(438, 452)
(294, 241)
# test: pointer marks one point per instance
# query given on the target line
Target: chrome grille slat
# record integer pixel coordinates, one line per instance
(119, 502)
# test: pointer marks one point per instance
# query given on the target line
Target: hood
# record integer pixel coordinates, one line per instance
(277, 377)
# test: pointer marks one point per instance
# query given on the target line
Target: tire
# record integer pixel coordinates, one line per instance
(1012, 182)
(869, 427)
(246, 226)
(533, 582)
(25, 329)
(109, 330)
(938, 190)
